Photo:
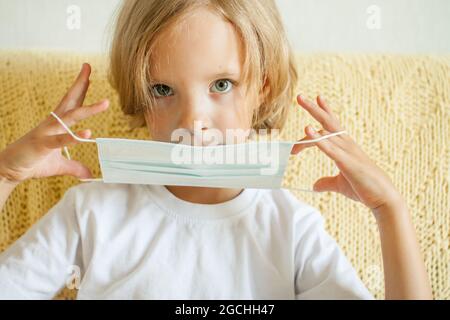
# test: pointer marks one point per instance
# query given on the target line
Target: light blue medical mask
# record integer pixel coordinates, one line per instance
(254, 164)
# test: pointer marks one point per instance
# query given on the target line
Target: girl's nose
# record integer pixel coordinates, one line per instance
(195, 116)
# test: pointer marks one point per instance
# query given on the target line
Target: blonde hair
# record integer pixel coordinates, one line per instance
(269, 64)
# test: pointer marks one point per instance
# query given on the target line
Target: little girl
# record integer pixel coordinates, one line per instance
(226, 63)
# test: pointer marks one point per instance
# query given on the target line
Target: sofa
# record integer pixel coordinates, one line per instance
(397, 107)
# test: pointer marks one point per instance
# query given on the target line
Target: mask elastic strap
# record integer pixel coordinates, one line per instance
(316, 140)
(322, 137)
(66, 151)
(70, 131)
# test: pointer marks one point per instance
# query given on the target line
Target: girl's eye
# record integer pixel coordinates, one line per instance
(222, 86)
(161, 90)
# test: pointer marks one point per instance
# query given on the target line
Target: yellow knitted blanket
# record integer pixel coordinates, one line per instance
(396, 107)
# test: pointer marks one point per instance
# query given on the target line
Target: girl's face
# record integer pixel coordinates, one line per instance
(196, 66)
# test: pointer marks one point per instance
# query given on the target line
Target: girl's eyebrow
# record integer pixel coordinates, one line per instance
(226, 74)
(217, 75)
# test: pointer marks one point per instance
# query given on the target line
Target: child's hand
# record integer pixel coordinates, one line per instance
(360, 178)
(38, 153)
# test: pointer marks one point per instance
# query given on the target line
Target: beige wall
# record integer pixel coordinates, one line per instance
(403, 26)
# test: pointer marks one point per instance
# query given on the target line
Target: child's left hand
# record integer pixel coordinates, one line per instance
(360, 178)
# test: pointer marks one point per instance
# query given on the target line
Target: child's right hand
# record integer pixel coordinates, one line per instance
(38, 153)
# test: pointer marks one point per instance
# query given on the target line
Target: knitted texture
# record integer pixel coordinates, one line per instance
(396, 107)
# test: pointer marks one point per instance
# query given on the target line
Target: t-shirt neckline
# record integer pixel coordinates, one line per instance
(196, 211)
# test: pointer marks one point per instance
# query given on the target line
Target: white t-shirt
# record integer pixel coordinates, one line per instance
(142, 242)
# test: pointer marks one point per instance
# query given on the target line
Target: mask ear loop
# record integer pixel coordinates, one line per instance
(66, 151)
(336, 170)
(70, 131)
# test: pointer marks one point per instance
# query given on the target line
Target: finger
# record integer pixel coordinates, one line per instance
(325, 119)
(337, 140)
(77, 92)
(61, 140)
(329, 148)
(327, 184)
(318, 114)
(302, 146)
(345, 142)
(74, 168)
(323, 104)
(335, 184)
(75, 115)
